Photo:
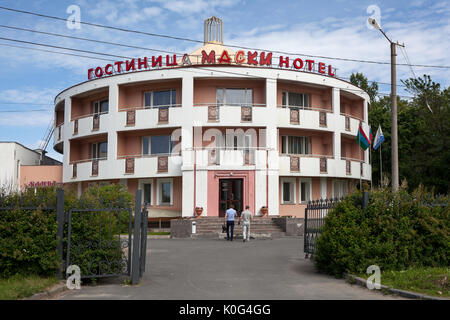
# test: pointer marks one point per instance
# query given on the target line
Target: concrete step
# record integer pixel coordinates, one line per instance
(216, 235)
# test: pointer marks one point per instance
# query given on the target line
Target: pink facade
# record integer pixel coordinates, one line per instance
(40, 174)
(248, 184)
(205, 90)
(132, 96)
(82, 105)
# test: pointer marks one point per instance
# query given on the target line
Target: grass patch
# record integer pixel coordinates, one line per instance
(432, 281)
(18, 287)
(161, 233)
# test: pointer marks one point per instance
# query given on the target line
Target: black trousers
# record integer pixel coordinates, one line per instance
(230, 225)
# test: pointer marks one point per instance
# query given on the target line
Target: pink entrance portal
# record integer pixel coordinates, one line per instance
(243, 183)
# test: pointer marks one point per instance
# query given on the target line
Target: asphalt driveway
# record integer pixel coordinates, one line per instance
(219, 269)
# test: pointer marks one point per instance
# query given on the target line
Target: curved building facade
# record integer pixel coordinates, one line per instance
(214, 128)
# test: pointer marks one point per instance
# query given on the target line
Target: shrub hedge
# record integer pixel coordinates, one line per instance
(395, 231)
(28, 236)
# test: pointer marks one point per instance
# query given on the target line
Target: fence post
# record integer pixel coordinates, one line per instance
(305, 229)
(144, 224)
(60, 229)
(137, 225)
(365, 199)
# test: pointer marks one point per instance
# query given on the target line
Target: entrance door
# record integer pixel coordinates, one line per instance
(230, 192)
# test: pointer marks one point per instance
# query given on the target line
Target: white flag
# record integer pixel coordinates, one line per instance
(379, 138)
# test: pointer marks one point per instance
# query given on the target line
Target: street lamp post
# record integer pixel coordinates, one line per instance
(394, 135)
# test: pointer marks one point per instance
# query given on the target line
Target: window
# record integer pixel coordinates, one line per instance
(340, 188)
(157, 145)
(165, 192)
(295, 145)
(101, 106)
(305, 190)
(158, 99)
(147, 191)
(288, 191)
(100, 150)
(234, 97)
(292, 99)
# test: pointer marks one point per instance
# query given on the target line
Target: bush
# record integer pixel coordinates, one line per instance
(395, 231)
(28, 236)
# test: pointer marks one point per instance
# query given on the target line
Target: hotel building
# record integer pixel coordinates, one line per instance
(216, 127)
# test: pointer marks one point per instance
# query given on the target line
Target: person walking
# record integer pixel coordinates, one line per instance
(246, 217)
(230, 214)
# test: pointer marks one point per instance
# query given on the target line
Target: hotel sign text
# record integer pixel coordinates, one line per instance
(249, 58)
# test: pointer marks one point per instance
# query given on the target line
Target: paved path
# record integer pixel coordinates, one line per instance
(219, 269)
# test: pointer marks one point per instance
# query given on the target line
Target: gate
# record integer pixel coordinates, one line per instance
(102, 242)
(315, 214)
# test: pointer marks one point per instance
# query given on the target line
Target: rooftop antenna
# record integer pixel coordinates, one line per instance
(213, 30)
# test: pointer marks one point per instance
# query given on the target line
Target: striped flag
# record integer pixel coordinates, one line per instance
(379, 138)
(362, 139)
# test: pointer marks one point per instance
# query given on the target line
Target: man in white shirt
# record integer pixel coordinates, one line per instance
(229, 220)
(246, 217)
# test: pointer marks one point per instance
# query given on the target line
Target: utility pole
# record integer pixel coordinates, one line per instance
(394, 130)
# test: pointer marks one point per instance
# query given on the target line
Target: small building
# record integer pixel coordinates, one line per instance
(22, 166)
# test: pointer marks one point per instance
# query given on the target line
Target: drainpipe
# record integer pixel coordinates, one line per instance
(267, 179)
(195, 178)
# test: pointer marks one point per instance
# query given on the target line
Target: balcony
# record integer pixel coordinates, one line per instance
(149, 166)
(144, 117)
(239, 158)
(353, 168)
(92, 123)
(89, 169)
(229, 115)
(309, 118)
(307, 165)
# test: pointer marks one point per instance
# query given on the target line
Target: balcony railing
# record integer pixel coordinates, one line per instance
(163, 113)
(214, 110)
(95, 164)
(95, 121)
(161, 165)
(223, 156)
(311, 163)
(59, 131)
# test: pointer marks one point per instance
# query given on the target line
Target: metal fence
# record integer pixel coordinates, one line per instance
(100, 240)
(315, 214)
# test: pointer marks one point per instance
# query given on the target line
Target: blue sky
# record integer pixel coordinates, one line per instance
(29, 80)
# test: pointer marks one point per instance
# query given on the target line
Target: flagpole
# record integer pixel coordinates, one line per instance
(370, 157)
(360, 180)
(381, 169)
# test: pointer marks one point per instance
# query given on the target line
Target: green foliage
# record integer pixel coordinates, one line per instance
(28, 236)
(395, 231)
(19, 287)
(423, 136)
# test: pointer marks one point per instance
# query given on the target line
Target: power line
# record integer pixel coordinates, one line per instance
(27, 103)
(87, 39)
(127, 46)
(57, 52)
(199, 41)
(106, 54)
(64, 48)
(18, 111)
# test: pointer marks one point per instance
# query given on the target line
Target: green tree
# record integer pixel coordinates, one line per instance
(361, 81)
(423, 136)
